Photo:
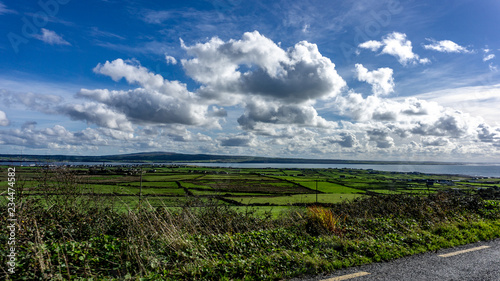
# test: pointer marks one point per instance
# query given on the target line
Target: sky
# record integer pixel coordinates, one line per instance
(365, 80)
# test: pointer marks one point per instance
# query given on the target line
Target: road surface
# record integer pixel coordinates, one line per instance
(475, 262)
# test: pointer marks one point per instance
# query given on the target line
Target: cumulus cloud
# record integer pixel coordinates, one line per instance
(158, 100)
(385, 119)
(132, 72)
(275, 86)
(256, 66)
(381, 79)
(149, 106)
(346, 140)
(435, 141)
(218, 61)
(481, 101)
(395, 44)
(4, 121)
(51, 37)
(239, 140)
(446, 46)
(381, 138)
(451, 124)
(98, 114)
(360, 109)
(488, 134)
(260, 111)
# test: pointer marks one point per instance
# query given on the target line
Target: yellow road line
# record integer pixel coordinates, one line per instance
(348, 276)
(463, 251)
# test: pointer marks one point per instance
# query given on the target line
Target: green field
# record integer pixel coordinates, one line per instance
(239, 187)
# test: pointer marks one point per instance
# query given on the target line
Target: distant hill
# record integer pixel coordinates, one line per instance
(157, 157)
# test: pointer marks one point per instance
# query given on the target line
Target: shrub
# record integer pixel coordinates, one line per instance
(321, 220)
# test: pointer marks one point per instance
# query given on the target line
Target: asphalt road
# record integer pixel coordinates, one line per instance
(475, 262)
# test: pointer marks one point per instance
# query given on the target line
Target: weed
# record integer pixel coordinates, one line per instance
(322, 220)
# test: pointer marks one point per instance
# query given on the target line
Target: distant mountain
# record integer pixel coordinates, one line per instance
(158, 157)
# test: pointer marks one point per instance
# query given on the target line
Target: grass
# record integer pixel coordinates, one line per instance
(329, 187)
(62, 234)
(174, 177)
(295, 199)
(165, 184)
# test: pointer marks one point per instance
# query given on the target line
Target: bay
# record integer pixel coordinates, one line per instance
(474, 170)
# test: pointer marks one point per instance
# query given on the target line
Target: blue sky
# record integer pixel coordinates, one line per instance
(401, 80)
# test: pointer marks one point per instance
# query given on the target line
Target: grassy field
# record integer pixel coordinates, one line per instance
(278, 187)
(192, 223)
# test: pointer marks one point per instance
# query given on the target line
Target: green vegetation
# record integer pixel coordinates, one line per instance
(191, 223)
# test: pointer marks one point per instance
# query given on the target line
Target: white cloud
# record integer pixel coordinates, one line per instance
(488, 57)
(424, 61)
(488, 134)
(446, 46)
(4, 121)
(383, 120)
(50, 37)
(435, 141)
(481, 101)
(345, 140)
(371, 45)
(152, 107)
(98, 114)
(381, 79)
(159, 101)
(134, 74)
(276, 86)
(260, 111)
(256, 66)
(395, 44)
(381, 138)
(217, 61)
(170, 59)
